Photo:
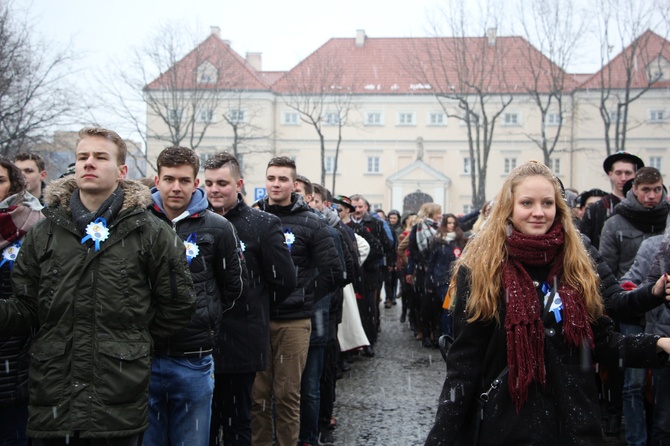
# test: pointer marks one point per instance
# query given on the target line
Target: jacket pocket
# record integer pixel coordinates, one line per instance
(48, 372)
(122, 371)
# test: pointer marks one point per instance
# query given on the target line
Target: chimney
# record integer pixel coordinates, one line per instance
(215, 31)
(360, 37)
(255, 60)
(492, 34)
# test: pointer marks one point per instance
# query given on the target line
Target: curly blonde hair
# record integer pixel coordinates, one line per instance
(486, 253)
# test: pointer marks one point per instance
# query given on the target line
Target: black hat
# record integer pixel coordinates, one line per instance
(344, 201)
(619, 156)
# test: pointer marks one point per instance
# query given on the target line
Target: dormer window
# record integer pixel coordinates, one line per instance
(207, 73)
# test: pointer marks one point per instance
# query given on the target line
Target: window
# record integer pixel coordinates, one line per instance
(207, 73)
(615, 116)
(405, 118)
(471, 118)
(203, 159)
(655, 161)
(511, 119)
(467, 165)
(290, 118)
(555, 166)
(373, 164)
(329, 163)
(174, 116)
(373, 118)
(437, 119)
(552, 119)
(236, 116)
(206, 116)
(467, 208)
(331, 118)
(509, 165)
(656, 115)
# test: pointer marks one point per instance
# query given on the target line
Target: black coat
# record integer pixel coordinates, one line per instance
(14, 352)
(313, 253)
(219, 277)
(563, 412)
(594, 217)
(244, 341)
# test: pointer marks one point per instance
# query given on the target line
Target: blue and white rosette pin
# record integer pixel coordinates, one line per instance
(10, 253)
(192, 249)
(96, 231)
(289, 238)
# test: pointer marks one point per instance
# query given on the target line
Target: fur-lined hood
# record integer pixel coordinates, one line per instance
(59, 192)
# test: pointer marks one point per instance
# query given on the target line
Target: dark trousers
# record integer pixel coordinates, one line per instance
(231, 409)
(13, 423)
(328, 380)
(131, 440)
(366, 310)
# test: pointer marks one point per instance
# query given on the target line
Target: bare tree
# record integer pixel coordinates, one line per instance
(555, 28)
(241, 115)
(638, 68)
(467, 77)
(183, 83)
(34, 95)
(316, 92)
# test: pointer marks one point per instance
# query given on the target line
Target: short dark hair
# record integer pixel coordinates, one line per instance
(309, 190)
(283, 161)
(218, 160)
(178, 156)
(17, 182)
(25, 156)
(321, 191)
(647, 175)
(122, 149)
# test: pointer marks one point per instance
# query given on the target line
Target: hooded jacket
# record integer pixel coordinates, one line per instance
(14, 350)
(95, 313)
(313, 252)
(621, 238)
(219, 275)
(244, 339)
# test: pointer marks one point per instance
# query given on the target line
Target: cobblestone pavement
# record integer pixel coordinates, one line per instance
(390, 399)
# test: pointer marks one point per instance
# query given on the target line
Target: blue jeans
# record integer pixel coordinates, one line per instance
(661, 433)
(310, 385)
(633, 397)
(180, 401)
(13, 423)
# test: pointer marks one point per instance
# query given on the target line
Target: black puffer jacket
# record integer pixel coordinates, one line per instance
(313, 253)
(219, 276)
(244, 339)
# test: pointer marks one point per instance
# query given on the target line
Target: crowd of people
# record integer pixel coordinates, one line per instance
(166, 312)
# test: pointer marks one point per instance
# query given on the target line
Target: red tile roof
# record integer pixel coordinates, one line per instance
(233, 71)
(648, 47)
(414, 65)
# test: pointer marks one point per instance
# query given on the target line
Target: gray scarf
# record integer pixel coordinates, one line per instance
(108, 210)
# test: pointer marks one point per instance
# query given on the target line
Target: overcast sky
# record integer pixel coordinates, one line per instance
(284, 31)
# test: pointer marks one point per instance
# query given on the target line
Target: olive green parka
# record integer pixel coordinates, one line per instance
(94, 314)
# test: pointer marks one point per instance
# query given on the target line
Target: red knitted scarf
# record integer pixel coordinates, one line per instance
(523, 324)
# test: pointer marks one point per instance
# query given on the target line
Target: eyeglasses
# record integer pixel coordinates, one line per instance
(339, 209)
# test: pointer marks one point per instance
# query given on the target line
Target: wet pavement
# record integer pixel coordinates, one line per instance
(390, 399)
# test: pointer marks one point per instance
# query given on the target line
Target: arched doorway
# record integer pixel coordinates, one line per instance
(412, 202)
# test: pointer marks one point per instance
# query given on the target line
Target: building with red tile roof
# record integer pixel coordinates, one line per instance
(404, 111)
